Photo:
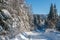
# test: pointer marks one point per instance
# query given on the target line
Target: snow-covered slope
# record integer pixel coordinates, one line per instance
(35, 36)
(41, 36)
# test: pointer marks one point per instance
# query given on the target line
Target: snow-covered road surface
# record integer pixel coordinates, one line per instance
(38, 36)
(35, 36)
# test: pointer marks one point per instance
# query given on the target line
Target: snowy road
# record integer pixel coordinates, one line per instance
(34, 36)
(38, 36)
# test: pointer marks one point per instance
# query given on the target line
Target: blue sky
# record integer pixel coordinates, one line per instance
(43, 6)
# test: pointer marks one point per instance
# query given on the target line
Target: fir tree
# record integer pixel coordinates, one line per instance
(52, 16)
(53, 13)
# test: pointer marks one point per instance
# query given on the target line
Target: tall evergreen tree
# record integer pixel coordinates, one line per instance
(52, 16)
(50, 13)
(53, 12)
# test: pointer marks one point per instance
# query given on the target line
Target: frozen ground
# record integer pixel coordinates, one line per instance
(37, 36)
(52, 35)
